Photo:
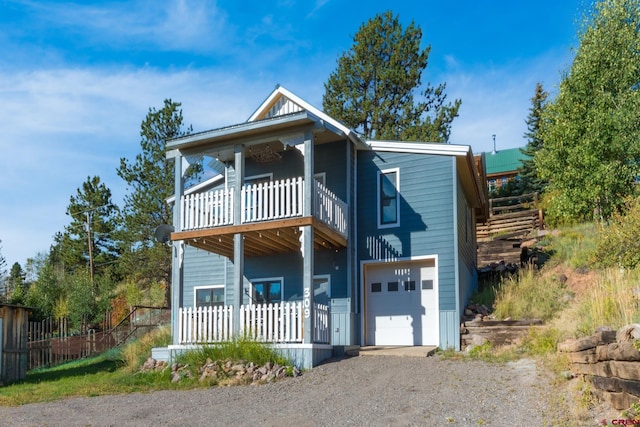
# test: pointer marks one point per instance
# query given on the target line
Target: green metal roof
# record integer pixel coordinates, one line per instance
(504, 160)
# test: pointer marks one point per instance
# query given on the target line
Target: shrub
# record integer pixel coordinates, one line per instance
(618, 244)
(137, 352)
(235, 350)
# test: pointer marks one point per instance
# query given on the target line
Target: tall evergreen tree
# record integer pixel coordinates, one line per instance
(15, 284)
(374, 86)
(89, 240)
(530, 182)
(150, 180)
(591, 130)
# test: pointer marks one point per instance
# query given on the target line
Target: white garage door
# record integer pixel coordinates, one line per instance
(401, 303)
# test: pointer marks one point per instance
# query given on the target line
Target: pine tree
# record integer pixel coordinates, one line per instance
(530, 182)
(150, 180)
(373, 88)
(93, 220)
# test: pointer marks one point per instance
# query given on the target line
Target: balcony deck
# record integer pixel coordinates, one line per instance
(271, 217)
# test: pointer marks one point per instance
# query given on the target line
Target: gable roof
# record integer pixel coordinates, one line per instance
(282, 110)
(282, 101)
(508, 160)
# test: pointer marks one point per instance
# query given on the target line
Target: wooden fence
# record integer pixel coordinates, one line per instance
(511, 215)
(52, 342)
(13, 343)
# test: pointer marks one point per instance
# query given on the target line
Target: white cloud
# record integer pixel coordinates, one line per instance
(61, 126)
(189, 25)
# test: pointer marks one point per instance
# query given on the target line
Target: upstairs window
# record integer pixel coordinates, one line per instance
(389, 198)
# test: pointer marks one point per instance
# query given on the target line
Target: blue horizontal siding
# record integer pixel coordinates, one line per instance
(201, 268)
(427, 213)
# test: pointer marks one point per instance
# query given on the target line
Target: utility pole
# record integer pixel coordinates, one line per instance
(90, 249)
(89, 239)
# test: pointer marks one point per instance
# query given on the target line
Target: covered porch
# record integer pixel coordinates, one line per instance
(271, 216)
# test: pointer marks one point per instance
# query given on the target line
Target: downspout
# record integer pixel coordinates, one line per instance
(456, 260)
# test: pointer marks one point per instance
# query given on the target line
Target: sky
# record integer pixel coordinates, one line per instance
(78, 78)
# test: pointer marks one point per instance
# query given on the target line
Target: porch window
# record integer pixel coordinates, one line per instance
(266, 291)
(388, 198)
(209, 296)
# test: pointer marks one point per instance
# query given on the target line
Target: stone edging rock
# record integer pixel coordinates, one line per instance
(226, 372)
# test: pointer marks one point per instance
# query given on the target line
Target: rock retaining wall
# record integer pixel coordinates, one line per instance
(497, 332)
(610, 361)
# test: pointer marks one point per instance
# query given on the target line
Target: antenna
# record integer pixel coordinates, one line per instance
(163, 233)
(494, 144)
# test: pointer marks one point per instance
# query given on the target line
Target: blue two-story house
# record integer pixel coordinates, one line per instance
(314, 239)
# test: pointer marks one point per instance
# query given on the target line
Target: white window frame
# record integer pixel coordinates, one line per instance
(378, 201)
(197, 288)
(265, 279)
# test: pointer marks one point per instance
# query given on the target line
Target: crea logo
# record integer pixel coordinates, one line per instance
(622, 422)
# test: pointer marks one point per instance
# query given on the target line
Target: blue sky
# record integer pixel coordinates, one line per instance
(77, 78)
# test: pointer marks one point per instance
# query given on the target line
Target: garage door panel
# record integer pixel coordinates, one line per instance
(399, 309)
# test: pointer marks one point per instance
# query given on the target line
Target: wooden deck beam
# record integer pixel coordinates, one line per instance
(262, 238)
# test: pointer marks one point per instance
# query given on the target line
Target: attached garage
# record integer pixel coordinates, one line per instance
(401, 303)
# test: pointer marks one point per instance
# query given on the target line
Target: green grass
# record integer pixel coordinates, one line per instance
(101, 375)
(612, 300)
(573, 246)
(236, 350)
(117, 371)
(529, 295)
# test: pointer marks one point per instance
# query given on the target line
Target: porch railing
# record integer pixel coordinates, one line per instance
(330, 209)
(265, 201)
(272, 200)
(278, 323)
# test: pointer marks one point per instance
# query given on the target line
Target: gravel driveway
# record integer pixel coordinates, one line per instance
(358, 391)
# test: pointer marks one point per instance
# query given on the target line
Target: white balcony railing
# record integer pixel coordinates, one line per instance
(330, 209)
(272, 200)
(266, 201)
(279, 323)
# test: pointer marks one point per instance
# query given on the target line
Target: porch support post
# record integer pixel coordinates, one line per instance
(238, 240)
(307, 240)
(177, 272)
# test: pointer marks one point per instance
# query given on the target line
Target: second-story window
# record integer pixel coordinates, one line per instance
(389, 198)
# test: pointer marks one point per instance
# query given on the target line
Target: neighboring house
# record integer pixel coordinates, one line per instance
(323, 239)
(503, 166)
(14, 321)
